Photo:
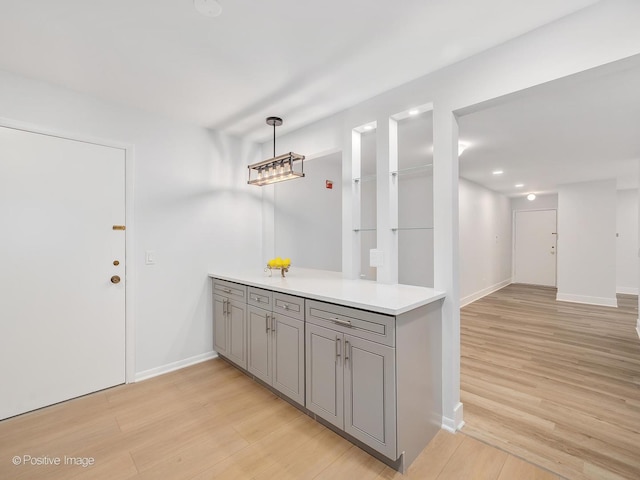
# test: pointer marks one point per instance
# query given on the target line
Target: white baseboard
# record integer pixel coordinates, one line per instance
(484, 292)
(602, 301)
(454, 424)
(627, 290)
(170, 367)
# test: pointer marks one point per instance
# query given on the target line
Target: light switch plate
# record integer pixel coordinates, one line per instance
(150, 257)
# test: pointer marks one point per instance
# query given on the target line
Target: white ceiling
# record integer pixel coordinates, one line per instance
(297, 59)
(582, 128)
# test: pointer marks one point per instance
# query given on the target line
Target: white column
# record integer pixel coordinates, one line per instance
(387, 199)
(446, 271)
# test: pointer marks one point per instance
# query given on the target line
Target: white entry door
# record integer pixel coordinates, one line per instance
(62, 327)
(535, 247)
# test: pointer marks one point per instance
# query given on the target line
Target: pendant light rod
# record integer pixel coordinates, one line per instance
(274, 122)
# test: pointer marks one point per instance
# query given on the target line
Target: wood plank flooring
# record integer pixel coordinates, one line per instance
(210, 421)
(555, 383)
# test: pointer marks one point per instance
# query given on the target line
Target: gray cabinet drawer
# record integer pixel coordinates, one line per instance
(260, 298)
(368, 325)
(229, 289)
(288, 305)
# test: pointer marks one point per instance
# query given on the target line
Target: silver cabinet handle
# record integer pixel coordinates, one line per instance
(255, 298)
(286, 306)
(346, 350)
(273, 323)
(346, 323)
(266, 323)
(337, 348)
(224, 306)
(226, 290)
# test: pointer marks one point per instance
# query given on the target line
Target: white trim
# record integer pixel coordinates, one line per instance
(171, 367)
(627, 290)
(638, 327)
(130, 327)
(130, 344)
(603, 301)
(454, 424)
(484, 292)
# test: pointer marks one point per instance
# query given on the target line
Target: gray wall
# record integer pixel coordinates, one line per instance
(308, 216)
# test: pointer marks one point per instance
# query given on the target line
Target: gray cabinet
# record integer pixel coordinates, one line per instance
(288, 356)
(325, 373)
(370, 394)
(351, 380)
(276, 342)
(230, 321)
(259, 343)
(376, 378)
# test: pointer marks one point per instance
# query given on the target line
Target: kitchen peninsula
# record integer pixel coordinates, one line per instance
(361, 357)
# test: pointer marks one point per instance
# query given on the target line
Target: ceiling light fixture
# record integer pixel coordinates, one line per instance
(497, 172)
(276, 169)
(414, 111)
(531, 197)
(368, 127)
(208, 8)
(462, 146)
(519, 185)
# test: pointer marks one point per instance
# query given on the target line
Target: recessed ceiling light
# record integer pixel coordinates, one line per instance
(531, 197)
(208, 8)
(368, 127)
(519, 185)
(497, 172)
(414, 111)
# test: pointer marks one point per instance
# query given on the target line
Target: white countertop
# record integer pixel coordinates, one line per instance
(331, 287)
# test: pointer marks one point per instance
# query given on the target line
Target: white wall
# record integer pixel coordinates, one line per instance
(587, 242)
(192, 206)
(308, 216)
(541, 202)
(485, 241)
(603, 33)
(627, 242)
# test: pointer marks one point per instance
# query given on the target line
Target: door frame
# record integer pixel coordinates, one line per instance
(129, 222)
(513, 239)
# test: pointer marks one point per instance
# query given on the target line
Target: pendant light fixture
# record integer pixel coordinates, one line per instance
(276, 169)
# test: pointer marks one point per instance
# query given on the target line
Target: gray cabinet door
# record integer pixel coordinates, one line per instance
(324, 374)
(219, 325)
(288, 356)
(259, 343)
(369, 394)
(237, 332)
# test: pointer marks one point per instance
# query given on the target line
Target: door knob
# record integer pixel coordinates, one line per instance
(115, 279)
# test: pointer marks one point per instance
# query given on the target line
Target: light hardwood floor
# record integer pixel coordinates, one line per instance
(210, 421)
(553, 382)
